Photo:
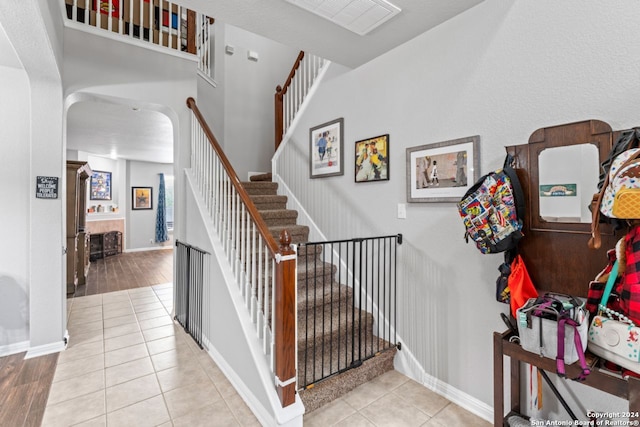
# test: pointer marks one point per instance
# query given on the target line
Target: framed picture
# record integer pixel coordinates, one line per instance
(326, 151)
(141, 198)
(100, 187)
(372, 159)
(444, 171)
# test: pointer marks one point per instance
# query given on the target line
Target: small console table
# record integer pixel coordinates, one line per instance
(105, 244)
(628, 389)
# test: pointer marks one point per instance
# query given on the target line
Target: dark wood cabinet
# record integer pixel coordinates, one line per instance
(77, 264)
(83, 257)
(105, 244)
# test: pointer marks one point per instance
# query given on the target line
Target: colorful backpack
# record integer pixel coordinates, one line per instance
(621, 197)
(492, 210)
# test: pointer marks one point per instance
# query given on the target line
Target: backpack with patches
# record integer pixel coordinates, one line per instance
(493, 209)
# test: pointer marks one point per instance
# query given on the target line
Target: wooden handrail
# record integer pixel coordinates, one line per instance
(280, 92)
(284, 321)
(270, 241)
(292, 73)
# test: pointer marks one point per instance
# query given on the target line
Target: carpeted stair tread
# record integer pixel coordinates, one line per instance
(308, 251)
(316, 365)
(315, 268)
(331, 324)
(261, 177)
(317, 297)
(334, 387)
(263, 188)
(298, 233)
(279, 217)
(269, 201)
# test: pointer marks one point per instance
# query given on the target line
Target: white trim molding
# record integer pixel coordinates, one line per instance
(407, 364)
(18, 347)
(45, 349)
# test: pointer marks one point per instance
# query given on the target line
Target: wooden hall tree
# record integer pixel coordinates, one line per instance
(77, 238)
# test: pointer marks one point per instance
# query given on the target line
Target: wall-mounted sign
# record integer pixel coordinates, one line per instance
(558, 190)
(47, 187)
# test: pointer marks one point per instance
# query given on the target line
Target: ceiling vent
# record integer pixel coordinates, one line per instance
(359, 16)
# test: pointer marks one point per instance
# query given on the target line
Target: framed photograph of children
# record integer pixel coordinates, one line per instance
(326, 149)
(372, 159)
(100, 186)
(444, 171)
(141, 198)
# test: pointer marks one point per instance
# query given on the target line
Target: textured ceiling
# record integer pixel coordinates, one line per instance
(290, 25)
(120, 131)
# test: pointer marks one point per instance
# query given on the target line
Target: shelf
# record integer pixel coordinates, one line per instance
(628, 389)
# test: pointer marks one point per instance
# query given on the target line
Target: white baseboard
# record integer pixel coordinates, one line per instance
(42, 350)
(408, 365)
(18, 347)
(261, 413)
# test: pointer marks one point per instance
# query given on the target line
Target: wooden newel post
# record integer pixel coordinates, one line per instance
(278, 114)
(285, 322)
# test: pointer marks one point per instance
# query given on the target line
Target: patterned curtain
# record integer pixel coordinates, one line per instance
(162, 234)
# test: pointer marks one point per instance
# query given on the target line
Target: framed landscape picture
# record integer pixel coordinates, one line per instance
(141, 198)
(372, 159)
(326, 150)
(444, 171)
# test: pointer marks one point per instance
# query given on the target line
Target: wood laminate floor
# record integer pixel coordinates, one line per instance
(24, 388)
(128, 271)
(25, 384)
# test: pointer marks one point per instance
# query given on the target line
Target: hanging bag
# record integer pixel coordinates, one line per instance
(492, 210)
(612, 335)
(620, 193)
(555, 326)
(630, 282)
(597, 287)
(521, 287)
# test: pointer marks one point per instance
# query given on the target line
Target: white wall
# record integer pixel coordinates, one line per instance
(26, 30)
(228, 333)
(118, 170)
(245, 91)
(211, 97)
(141, 224)
(52, 16)
(14, 253)
(500, 70)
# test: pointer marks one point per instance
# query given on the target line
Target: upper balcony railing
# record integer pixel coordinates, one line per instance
(160, 23)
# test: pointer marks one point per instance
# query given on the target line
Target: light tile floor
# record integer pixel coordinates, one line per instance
(129, 364)
(392, 400)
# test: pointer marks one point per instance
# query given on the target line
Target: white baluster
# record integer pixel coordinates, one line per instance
(151, 21)
(130, 18)
(120, 16)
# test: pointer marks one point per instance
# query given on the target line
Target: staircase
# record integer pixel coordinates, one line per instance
(319, 297)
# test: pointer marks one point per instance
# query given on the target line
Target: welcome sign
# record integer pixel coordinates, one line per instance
(47, 187)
